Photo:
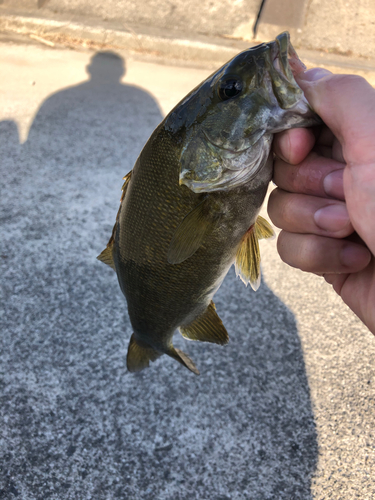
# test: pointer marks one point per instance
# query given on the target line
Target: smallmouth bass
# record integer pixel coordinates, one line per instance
(189, 208)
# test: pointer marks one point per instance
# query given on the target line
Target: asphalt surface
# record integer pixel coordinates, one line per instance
(285, 411)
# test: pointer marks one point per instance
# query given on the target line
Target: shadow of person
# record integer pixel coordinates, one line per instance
(9, 149)
(9, 169)
(77, 422)
(100, 123)
(81, 143)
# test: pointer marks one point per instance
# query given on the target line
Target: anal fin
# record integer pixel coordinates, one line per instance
(248, 253)
(208, 327)
(139, 355)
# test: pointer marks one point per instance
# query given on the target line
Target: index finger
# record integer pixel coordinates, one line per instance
(346, 103)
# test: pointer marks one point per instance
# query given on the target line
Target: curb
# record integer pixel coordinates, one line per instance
(204, 50)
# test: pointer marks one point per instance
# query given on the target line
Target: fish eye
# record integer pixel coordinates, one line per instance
(229, 88)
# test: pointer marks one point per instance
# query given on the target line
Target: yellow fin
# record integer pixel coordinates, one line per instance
(107, 254)
(126, 183)
(184, 359)
(190, 234)
(139, 355)
(248, 254)
(208, 327)
(263, 228)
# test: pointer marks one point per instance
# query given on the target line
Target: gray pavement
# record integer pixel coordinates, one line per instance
(285, 411)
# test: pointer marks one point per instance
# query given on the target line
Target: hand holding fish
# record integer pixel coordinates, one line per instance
(325, 200)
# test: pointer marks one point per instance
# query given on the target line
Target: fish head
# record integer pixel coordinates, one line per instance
(227, 122)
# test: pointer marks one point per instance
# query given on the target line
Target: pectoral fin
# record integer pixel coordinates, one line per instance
(208, 327)
(248, 254)
(191, 233)
(139, 355)
(107, 254)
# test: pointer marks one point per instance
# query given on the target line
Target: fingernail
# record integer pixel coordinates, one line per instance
(333, 184)
(355, 256)
(314, 74)
(332, 218)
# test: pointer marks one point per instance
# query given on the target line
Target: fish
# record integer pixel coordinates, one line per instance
(190, 207)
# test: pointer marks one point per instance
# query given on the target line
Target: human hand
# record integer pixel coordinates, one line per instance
(325, 199)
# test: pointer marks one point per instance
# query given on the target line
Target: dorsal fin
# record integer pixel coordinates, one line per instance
(125, 185)
(106, 255)
(191, 232)
(248, 253)
(208, 327)
(139, 355)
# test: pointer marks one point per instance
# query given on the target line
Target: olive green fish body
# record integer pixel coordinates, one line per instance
(190, 206)
(162, 296)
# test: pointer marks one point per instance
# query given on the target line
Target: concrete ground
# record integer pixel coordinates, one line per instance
(285, 411)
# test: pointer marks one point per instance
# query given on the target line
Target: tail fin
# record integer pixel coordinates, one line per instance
(140, 355)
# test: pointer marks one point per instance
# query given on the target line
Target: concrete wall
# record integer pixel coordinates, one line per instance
(214, 17)
(338, 26)
(343, 25)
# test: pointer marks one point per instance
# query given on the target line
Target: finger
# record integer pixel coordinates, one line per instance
(297, 213)
(316, 176)
(346, 103)
(293, 145)
(336, 280)
(320, 255)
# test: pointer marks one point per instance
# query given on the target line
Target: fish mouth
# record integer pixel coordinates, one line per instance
(283, 66)
(285, 59)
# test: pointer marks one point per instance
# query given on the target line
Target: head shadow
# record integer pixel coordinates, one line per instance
(106, 66)
(101, 123)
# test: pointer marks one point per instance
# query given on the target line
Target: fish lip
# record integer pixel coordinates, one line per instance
(285, 59)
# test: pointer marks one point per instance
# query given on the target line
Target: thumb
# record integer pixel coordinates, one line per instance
(346, 103)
